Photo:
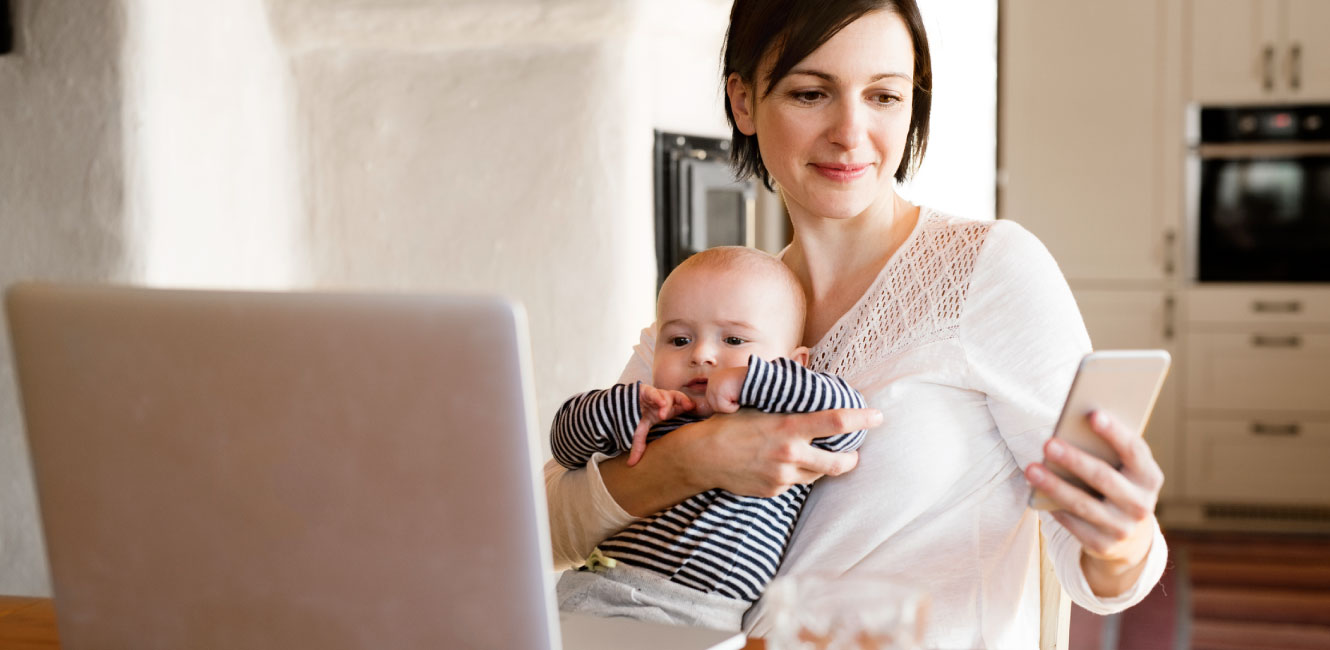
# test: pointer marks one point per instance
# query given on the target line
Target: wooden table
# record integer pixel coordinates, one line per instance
(28, 623)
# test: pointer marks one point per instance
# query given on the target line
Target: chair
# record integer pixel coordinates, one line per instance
(1054, 604)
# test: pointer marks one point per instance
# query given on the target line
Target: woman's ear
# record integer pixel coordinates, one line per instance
(800, 355)
(741, 98)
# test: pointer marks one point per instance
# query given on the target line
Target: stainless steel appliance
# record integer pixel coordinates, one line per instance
(699, 204)
(1260, 193)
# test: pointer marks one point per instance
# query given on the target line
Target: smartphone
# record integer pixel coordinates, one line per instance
(1123, 383)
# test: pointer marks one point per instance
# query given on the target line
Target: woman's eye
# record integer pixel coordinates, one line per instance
(679, 341)
(734, 340)
(885, 98)
(807, 96)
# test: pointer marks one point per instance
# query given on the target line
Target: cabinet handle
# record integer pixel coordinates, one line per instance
(1295, 66)
(1169, 307)
(1263, 429)
(1277, 306)
(1169, 238)
(1263, 341)
(1268, 68)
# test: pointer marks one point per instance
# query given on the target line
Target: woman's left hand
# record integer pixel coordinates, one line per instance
(1115, 533)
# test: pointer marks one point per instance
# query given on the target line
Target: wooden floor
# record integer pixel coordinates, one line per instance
(1226, 591)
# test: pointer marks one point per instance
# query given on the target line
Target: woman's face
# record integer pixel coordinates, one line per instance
(832, 132)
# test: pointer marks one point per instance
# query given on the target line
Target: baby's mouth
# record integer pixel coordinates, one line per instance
(697, 384)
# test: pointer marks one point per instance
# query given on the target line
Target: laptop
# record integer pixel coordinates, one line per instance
(276, 470)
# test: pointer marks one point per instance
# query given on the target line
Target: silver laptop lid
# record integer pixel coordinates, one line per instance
(269, 470)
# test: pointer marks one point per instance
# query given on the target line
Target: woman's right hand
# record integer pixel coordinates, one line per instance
(748, 453)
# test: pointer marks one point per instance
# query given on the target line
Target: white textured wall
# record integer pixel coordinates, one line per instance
(422, 145)
(61, 217)
(213, 197)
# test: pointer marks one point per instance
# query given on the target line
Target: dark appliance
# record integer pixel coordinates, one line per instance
(1261, 193)
(699, 204)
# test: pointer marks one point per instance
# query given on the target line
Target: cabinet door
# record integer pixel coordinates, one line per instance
(1307, 50)
(1235, 50)
(1141, 319)
(1260, 368)
(1078, 134)
(1258, 460)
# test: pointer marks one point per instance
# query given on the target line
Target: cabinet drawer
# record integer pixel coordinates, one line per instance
(1277, 305)
(1261, 369)
(1277, 460)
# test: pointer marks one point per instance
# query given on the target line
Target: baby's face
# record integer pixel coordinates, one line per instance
(709, 319)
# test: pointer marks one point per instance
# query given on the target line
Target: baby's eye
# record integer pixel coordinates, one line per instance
(680, 341)
(734, 340)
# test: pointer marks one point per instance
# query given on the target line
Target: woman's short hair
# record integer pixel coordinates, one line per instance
(794, 28)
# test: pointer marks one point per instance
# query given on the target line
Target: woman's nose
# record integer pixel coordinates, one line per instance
(847, 129)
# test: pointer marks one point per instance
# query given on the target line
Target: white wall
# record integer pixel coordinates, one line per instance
(958, 174)
(61, 217)
(422, 145)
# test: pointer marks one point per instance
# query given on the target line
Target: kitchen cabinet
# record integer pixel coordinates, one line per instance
(1090, 160)
(1259, 460)
(1080, 134)
(1257, 402)
(1249, 51)
(1124, 319)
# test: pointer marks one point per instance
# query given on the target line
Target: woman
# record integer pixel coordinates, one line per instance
(963, 334)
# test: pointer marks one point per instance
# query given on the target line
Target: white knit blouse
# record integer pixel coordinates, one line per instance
(967, 342)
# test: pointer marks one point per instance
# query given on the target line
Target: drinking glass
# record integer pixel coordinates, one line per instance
(859, 612)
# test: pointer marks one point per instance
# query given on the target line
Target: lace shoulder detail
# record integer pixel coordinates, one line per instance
(916, 299)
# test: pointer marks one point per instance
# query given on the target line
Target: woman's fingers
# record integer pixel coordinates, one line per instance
(821, 462)
(1099, 475)
(1091, 537)
(822, 424)
(1137, 460)
(1077, 501)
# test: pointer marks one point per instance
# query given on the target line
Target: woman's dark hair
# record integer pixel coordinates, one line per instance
(797, 27)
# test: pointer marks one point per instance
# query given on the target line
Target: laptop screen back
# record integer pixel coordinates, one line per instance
(264, 470)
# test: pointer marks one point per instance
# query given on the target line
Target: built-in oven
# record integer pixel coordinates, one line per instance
(699, 204)
(1260, 193)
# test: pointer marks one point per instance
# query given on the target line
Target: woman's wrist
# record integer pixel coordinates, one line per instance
(1112, 577)
(663, 477)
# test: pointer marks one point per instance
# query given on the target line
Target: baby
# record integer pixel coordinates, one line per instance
(729, 322)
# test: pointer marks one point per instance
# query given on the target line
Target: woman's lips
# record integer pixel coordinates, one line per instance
(842, 172)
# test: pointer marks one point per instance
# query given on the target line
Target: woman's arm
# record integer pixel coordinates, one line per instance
(1025, 337)
(1117, 533)
(749, 453)
(754, 454)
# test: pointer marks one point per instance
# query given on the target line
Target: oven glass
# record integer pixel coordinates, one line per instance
(1265, 220)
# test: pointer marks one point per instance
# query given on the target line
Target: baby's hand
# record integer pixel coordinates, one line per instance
(657, 406)
(723, 388)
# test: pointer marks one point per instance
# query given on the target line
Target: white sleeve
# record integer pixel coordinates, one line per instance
(1024, 338)
(581, 511)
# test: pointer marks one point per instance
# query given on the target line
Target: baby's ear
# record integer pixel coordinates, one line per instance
(800, 355)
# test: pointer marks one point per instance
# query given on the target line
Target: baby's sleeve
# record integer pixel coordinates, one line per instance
(597, 421)
(785, 386)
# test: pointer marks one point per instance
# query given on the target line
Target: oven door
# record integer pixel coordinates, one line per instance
(1263, 213)
(717, 209)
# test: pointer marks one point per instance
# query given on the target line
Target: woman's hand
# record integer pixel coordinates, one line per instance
(1116, 532)
(749, 453)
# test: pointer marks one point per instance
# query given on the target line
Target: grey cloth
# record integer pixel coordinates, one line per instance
(630, 592)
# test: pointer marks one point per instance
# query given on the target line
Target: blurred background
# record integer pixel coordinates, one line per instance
(1170, 153)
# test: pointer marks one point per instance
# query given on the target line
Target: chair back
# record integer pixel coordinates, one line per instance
(1054, 604)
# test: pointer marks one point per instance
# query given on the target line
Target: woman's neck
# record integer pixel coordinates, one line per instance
(836, 260)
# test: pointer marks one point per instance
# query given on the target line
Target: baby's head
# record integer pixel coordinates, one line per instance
(718, 307)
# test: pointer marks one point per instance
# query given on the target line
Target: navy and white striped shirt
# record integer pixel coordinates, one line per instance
(716, 542)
